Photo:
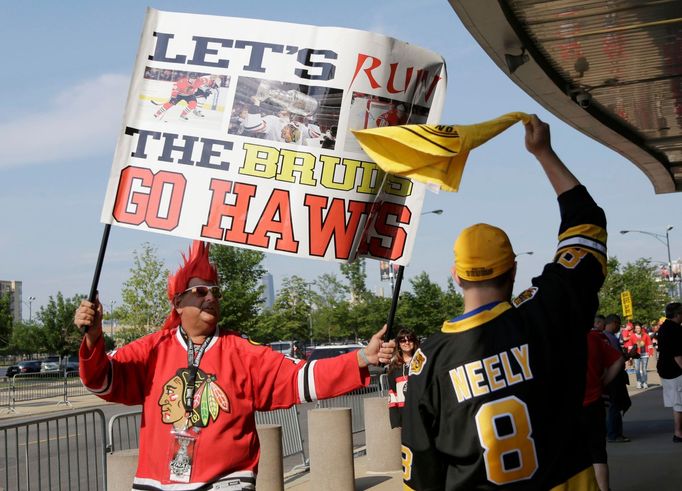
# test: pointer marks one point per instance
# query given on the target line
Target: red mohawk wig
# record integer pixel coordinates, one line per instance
(196, 266)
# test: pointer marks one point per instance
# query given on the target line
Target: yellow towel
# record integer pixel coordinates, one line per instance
(431, 153)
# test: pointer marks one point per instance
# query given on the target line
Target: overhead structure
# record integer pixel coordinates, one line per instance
(610, 68)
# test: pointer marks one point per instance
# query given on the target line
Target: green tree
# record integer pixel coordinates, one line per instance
(357, 279)
(27, 338)
(649, 292)
(60, 335)
(145, 301)
(289, 317)
(424, 308)
(240, 272)
(6, 320)
(331, 309)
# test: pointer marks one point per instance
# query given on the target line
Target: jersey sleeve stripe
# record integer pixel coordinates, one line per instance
(590, 231)
(312, 389)
(105, 388)
(307, 392)
(584, 243)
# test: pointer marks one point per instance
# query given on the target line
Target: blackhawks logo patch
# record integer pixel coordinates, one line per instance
(417, 363)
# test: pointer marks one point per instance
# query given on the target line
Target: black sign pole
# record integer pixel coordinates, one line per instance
(98, 267)
(394, 303)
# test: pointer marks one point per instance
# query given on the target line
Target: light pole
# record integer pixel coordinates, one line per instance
(527, 253)
(660, 238)
(30, 313)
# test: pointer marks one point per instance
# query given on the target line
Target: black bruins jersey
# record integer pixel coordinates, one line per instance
(495, 399)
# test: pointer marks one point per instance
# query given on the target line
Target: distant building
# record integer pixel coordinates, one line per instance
(14, 290)
(269, 292)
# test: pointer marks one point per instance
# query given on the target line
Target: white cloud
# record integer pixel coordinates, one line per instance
(79, 122)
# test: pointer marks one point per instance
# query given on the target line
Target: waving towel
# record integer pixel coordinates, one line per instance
(431, 153)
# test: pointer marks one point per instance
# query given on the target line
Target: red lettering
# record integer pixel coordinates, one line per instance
(125, 195)
(237, 211)
(391, 79)
(276, 218)
(397, 234)
(148, 204)
(422, 77)
(176, 184)
(334, 225)
(376, 62)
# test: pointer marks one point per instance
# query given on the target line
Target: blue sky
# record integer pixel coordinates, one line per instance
(67, 67)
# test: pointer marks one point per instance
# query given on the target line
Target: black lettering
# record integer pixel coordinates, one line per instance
(257, 51)
(161, 49)
(186, 148)
(141, 140)
(328, 70)
(201, 49)
(207, 152)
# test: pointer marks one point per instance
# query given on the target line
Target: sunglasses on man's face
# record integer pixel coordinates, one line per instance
(406, 339)
(202, 291)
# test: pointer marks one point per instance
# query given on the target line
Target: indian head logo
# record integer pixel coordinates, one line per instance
(209, 400)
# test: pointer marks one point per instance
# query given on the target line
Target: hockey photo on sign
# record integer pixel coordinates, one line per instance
(285, 112)
(371, 111)
(177, 95)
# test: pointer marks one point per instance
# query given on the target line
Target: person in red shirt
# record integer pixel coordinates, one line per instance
(199, 386)
(639, 343)
(604, 363)
(184, 89)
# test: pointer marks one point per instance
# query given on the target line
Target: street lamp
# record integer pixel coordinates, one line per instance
(435, 212)
(30, 314)
(527, 253)
(660, 238)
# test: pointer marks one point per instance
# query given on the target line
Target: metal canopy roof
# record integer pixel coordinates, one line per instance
(610, 68)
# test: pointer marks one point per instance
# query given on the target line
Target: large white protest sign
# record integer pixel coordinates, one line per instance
(237, 132)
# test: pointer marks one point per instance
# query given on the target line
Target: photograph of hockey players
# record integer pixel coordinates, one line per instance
(370, 111)
(285, 112)
(174, 95)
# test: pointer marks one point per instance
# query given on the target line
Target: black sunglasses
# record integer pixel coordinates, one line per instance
(406, 339)
(202, 291)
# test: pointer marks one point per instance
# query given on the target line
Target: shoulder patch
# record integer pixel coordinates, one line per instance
(524, 296)
(417, 363)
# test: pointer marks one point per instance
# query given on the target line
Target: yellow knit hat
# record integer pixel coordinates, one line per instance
(483, 252)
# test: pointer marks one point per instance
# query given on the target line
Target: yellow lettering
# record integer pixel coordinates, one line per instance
(493, 372)
(459, 382)
(522, 356)
(512, 378)
(372, 176)
(331, 169)
(398, 186)
(260, 161)
(303, 163)
(478, 387)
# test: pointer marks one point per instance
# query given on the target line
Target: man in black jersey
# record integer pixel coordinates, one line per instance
(493, 403)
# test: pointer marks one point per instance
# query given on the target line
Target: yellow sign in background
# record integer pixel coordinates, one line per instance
(626, 301)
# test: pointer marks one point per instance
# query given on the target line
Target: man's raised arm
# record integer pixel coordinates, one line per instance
(538, 142)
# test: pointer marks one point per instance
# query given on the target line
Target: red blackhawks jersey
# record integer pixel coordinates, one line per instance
(494, 400)
(235, 379)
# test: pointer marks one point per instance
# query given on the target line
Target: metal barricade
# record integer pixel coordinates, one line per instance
(58, 453)
(124, 431)
(34, 386)
(292, 441)
(5, 392)
(74, 386)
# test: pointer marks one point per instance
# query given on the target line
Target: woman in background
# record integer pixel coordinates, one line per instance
(398, 369)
